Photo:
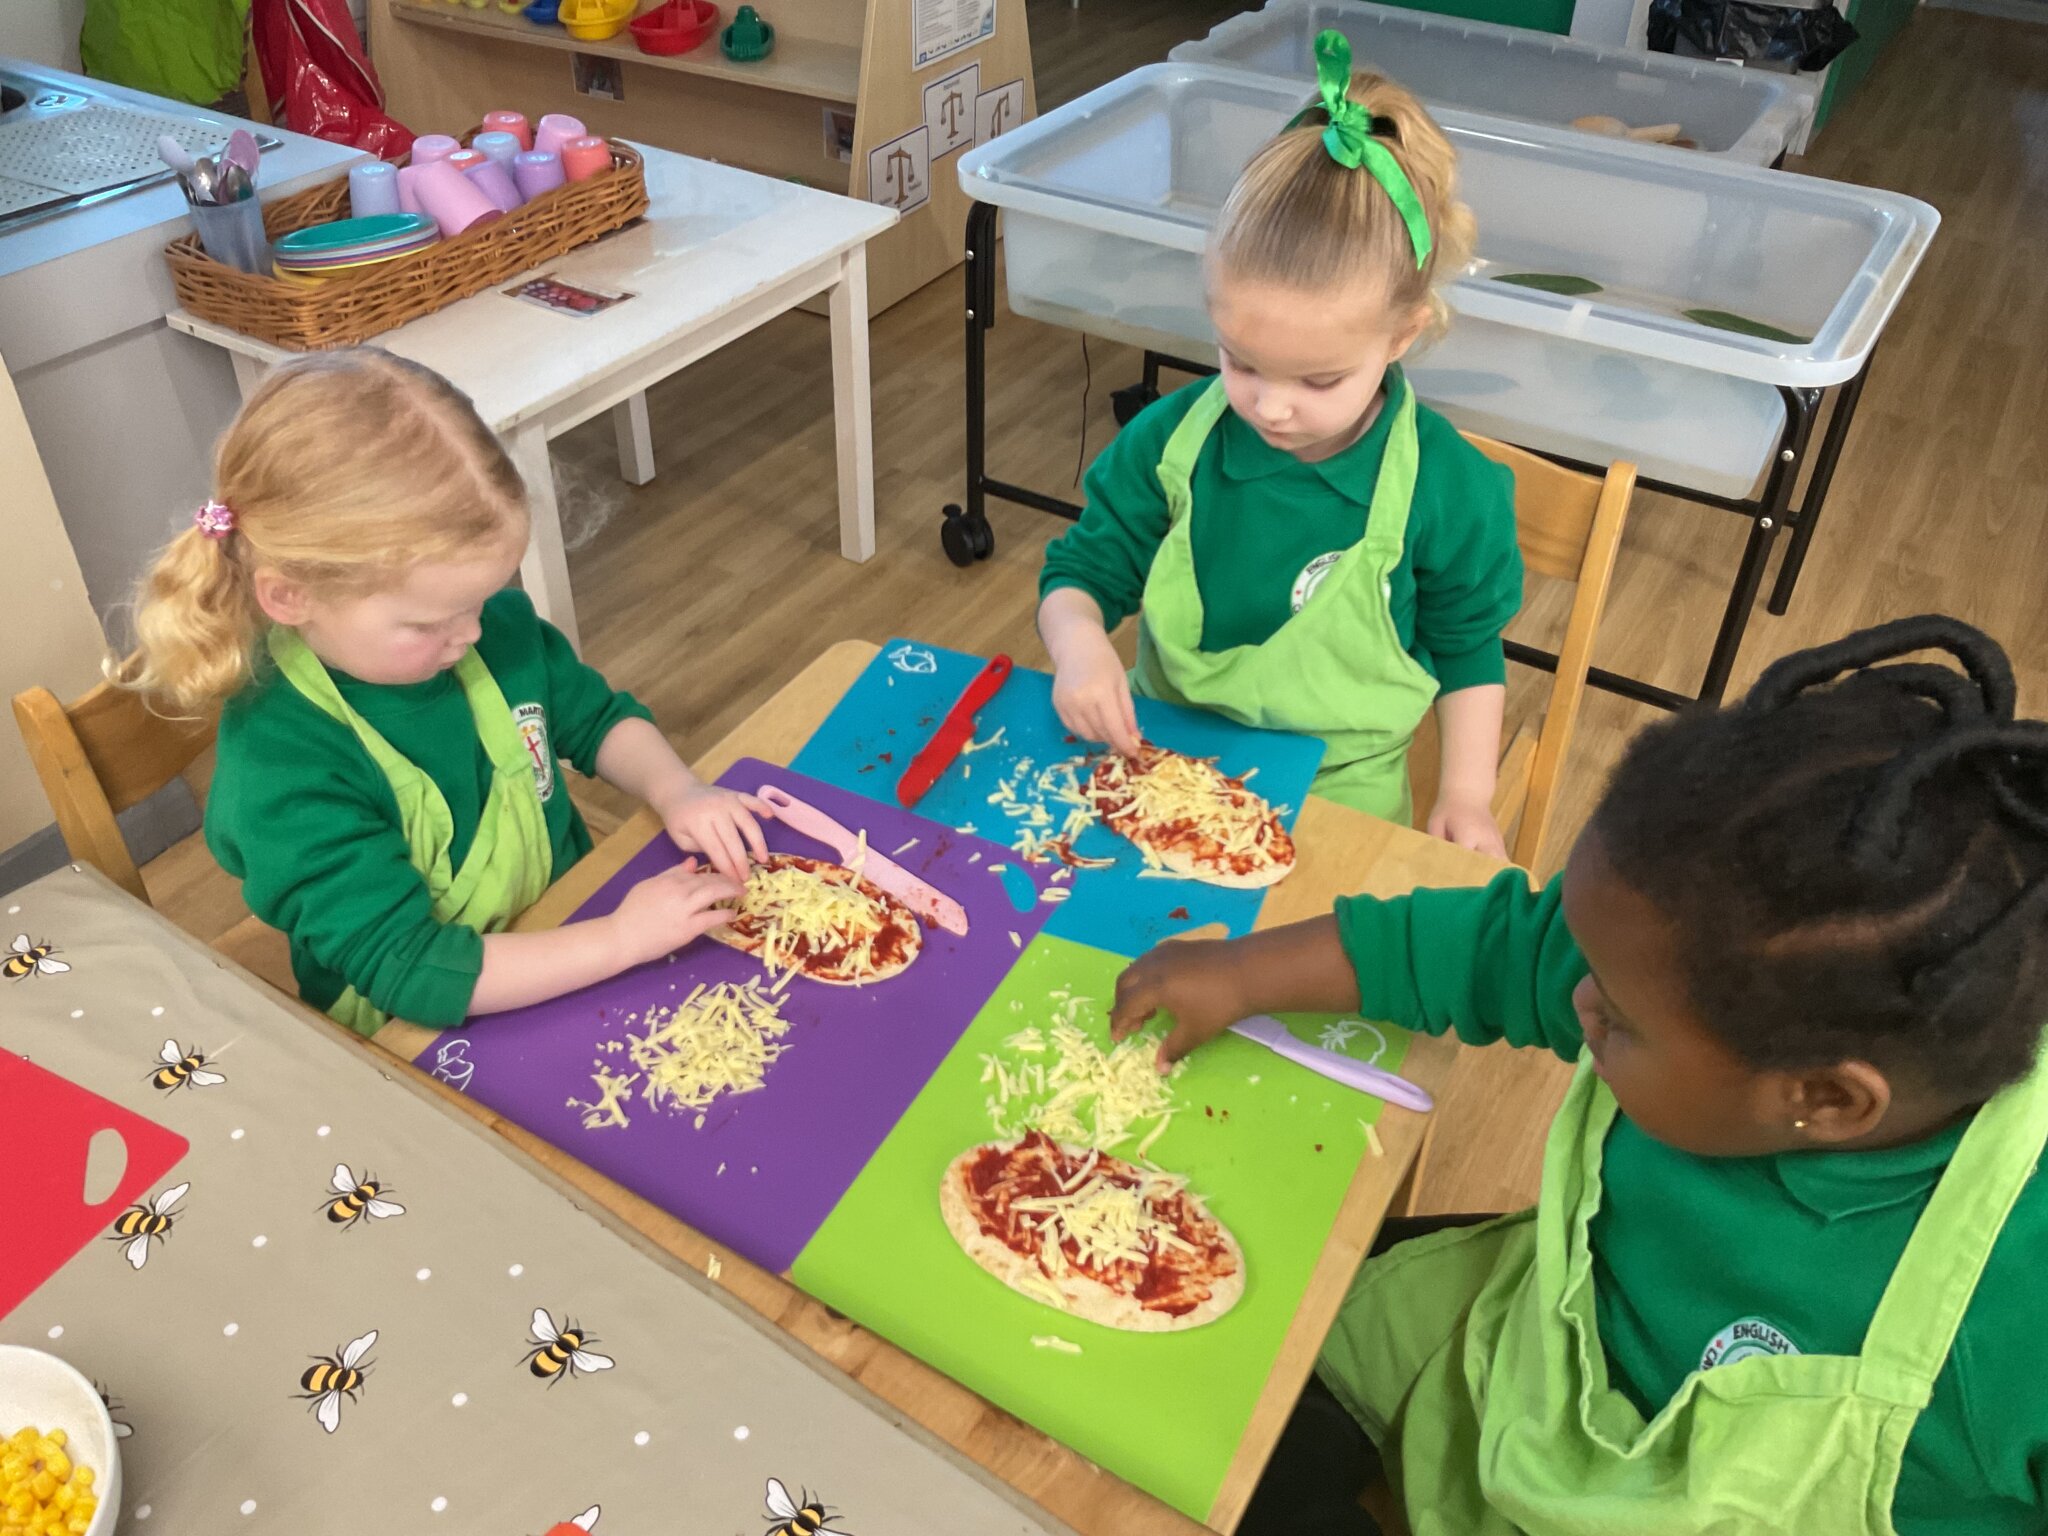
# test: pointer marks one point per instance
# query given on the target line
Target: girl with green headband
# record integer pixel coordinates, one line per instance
(1312, 549)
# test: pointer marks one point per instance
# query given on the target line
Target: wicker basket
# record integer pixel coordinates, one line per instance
(356, 305)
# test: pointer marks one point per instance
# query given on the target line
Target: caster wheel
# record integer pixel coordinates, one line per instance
(1130, 400)
(966, 539)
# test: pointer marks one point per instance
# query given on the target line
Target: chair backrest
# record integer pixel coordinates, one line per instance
(101, 754)
(1568, 524)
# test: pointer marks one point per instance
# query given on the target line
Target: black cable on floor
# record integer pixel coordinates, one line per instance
(1087, 384)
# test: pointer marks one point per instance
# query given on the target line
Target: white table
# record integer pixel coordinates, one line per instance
(720, 252)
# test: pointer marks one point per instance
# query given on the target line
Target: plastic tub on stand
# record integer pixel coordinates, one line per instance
(1476, 66)
(1108, 201)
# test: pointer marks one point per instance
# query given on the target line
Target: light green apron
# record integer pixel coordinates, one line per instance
(1473, 1358)
(511, 858)
(1336, 669)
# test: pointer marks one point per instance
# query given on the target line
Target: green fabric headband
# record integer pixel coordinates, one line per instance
(1351, 142)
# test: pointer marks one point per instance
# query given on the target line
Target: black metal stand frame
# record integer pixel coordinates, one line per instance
(968, 537)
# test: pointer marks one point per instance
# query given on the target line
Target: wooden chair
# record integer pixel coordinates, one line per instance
(107, 751)
(1568, 524)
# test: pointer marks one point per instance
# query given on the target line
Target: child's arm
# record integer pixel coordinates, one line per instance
(1469, 726)
(702, 818)
(660, 914)
(1494, 962)
(1089, 689)
(1094, 577)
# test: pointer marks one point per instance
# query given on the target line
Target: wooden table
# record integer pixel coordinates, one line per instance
(720, 253)
(1340, 851)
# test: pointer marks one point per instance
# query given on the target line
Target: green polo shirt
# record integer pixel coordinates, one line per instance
(1686, 1248)
(308, 822)
(1264, 519)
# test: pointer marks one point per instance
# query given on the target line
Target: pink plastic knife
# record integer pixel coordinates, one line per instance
(934, 906)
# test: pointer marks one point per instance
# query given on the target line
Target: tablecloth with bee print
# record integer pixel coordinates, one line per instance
(345, 1309)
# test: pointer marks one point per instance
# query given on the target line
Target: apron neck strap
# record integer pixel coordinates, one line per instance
(1923, 1306)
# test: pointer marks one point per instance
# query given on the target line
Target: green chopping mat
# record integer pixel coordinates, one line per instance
(1269, 1146)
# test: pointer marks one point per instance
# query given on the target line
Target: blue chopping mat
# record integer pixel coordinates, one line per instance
(894, 706)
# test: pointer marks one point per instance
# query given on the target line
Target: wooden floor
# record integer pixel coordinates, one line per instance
(709, 588)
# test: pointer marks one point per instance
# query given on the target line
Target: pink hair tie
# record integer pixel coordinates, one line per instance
(215, 520)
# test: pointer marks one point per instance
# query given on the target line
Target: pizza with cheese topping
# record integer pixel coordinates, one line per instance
(1091, 1234)
(823, 921)
(1185, 815)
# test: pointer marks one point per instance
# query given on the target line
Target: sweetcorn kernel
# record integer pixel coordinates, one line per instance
(82, 1476)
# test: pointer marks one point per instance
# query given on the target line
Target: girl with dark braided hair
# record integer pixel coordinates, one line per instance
(1783, 1273)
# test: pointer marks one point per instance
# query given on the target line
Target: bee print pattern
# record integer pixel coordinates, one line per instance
(330, 1378)
(360, 1198)
(114, 1409)
(141, 1224)
(25, 960)
(787, 1517)
(181, 1069)
(559, 1352)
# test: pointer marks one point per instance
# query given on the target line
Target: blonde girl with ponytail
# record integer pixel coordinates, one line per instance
(1311, 549)
(393, 714)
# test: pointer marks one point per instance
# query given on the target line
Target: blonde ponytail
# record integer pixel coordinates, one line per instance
(1299, 219)
(341, 472)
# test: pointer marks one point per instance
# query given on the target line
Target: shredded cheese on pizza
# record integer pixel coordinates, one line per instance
(719, 1040)
(799, 912)
(1107, 1223)
(1162, 789)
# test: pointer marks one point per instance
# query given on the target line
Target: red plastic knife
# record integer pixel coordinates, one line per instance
(954, 732)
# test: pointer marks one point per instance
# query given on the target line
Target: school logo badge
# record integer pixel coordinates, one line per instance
(1312, 576)
(1743, 1338)
(533, 731)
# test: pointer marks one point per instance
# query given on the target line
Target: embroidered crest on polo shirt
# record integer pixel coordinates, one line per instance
(1312, 576)
(1743, 1338)
(532, 721)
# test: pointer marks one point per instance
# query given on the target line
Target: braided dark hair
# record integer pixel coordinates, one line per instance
(1855, 858)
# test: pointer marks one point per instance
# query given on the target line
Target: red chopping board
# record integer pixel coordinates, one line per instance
(47, 1126)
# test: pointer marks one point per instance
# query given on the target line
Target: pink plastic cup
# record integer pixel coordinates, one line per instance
(513, 123)
(557, 129)
(467, 160)
(429, 147)
(451, 199)
(586, 157)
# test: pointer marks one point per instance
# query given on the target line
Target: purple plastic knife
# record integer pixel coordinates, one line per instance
(1276, 1037)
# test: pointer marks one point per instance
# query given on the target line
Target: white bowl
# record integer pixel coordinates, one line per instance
(42, 1390)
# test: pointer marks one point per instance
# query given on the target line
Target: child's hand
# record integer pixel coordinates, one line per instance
(666, 911)
(1199, 982)
(719, 823)
(1093, 696)
(1469, 824)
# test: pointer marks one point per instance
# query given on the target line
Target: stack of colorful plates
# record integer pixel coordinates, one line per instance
(325, 249)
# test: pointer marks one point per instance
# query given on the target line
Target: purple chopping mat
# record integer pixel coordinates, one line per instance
(766, 1167)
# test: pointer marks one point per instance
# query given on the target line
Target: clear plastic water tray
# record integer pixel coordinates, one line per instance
(1747, 115)
(1109, 199)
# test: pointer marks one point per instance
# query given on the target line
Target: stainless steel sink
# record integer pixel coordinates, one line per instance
(64, 144)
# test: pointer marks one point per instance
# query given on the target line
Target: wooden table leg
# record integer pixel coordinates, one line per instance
(544, 571)
(850, 407)
(635, 438)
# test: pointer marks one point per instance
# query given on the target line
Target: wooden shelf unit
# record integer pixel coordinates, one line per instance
(444, 65)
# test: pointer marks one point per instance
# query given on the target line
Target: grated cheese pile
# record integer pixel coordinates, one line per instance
(1082, 1094)
(720, 1039)
(801, 913)
(1169, 787)
(1030, 799)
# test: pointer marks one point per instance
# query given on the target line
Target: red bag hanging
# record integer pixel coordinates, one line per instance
(318, 78)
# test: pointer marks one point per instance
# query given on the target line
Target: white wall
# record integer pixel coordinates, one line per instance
(41, 31)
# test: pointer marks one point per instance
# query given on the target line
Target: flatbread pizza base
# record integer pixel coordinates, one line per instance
(753, 946)
(1086, 1298)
